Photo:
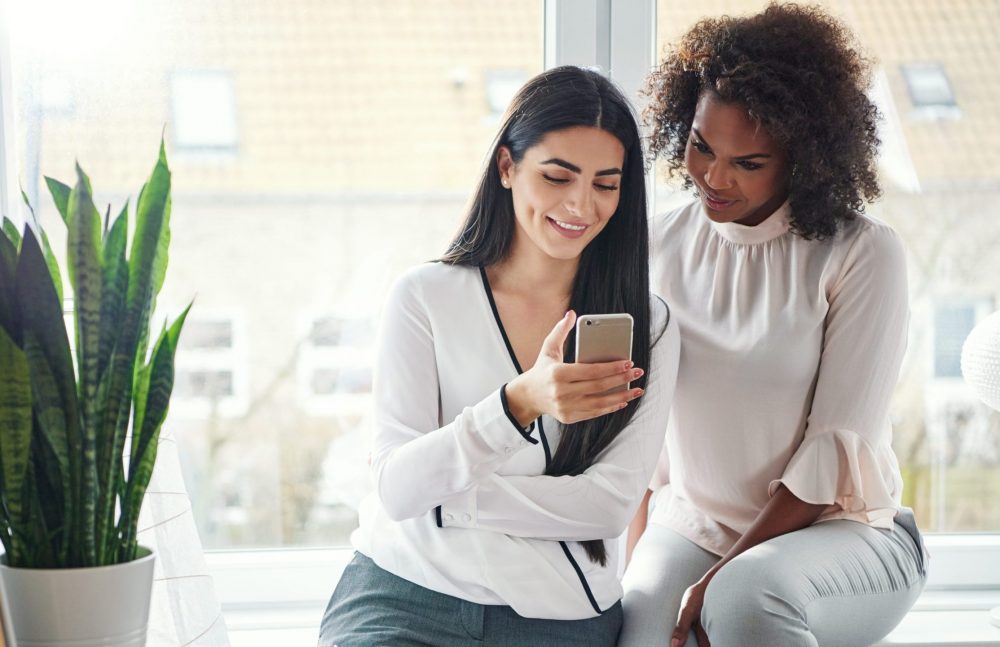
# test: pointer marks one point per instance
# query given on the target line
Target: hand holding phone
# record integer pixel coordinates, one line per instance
(604, 338)
(574, 392)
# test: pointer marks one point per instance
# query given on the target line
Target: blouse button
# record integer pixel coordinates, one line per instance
(449, 517)
(467, 517)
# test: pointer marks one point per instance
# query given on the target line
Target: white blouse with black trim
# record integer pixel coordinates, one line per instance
(461, 503)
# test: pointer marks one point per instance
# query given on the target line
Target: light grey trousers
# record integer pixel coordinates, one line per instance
(834, 584)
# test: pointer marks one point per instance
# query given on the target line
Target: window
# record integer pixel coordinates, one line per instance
(210, 377)
(336, 365)
(953, 321)
(56, 94)
(203, 111)
(501, 85)
(928, 85)
(318, 149)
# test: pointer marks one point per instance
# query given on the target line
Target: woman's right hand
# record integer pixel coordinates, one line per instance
(569, 392)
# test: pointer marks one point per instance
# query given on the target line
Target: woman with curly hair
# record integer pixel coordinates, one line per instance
(777, 517)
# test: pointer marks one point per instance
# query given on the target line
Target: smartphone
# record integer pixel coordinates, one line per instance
(604, 338)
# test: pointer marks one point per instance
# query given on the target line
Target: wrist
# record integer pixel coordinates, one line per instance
(519, 402)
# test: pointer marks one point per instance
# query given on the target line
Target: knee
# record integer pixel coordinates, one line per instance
(733, 595)
(749, 591)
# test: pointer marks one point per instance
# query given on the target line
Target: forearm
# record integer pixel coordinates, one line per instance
(637, 526)
(784, 513)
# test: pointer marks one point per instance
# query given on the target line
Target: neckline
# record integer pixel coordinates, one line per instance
(513, 358)
(773, 226)
(499, 322)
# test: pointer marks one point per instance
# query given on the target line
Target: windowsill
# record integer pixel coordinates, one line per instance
(278, 596)
(940, 619)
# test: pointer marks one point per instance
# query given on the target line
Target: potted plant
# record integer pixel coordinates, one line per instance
(80, 416)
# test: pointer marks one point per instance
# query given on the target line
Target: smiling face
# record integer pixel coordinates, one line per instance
(738, 168)
(565, 189)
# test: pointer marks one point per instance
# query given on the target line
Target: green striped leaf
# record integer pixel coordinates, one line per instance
(51, 427)
(140, 395)
(60, 195)
(114, 284)
(41, 312)
(15, 436)
(50, 257)
(160, 376)
(39, 553)
(11, 232)
(9, 319)
(84, 250)
(155, 196)
(47, 487)
(152, 211)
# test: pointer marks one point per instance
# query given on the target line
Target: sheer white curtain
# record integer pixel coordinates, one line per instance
(184, 610)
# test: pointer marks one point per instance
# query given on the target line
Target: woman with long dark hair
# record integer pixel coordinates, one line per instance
(777, 519)
(504, 471)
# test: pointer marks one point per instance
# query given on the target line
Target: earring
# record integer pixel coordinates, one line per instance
(503, 181)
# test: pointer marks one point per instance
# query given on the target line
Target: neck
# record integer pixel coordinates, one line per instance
(529, 270)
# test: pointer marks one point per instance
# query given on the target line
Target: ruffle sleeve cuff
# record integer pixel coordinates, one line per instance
(839, 467)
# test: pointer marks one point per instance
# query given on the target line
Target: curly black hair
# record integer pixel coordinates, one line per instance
(797, 72)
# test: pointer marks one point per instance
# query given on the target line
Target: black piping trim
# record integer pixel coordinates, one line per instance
(496, 316)
(541, 431)
(437, 517)
(583, 580)
(525, 432)
(545, 443)
(510, 352)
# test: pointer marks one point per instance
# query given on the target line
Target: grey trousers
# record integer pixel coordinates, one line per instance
(834, 584)
(372, 607)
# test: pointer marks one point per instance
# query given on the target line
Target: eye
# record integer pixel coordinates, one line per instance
(606, 187)
(701, 147)
(554, 180)
(750, 166)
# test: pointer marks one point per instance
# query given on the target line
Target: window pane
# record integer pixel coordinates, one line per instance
(318, 149)
(935, 85)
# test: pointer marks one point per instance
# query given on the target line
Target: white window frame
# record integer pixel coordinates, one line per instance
(312, 358)
(236, 359)
(194, 150)
(618, 37)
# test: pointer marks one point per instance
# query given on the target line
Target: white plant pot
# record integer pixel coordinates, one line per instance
(104, 606)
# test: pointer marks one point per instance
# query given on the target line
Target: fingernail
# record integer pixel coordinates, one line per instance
(637, 373)
(628, 365)
(637, 393)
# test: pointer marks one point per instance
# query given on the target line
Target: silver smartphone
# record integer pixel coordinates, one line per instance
(604, 338)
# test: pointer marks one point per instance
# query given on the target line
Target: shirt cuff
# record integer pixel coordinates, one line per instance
(459, 511)
(524, 431)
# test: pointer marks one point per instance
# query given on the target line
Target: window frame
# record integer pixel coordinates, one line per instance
(234, 358)
(583, 32)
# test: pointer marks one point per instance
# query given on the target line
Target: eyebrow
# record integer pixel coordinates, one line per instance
(576, 169)
(741, 157)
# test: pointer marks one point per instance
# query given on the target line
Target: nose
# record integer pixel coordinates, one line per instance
(717, 176)
(580, 202)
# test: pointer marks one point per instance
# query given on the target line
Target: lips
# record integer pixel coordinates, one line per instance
(716, 203)
(567, 229)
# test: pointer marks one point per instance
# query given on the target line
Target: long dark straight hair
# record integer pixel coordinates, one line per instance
(613, 272)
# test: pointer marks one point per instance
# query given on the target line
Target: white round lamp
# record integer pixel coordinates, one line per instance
(981, 370)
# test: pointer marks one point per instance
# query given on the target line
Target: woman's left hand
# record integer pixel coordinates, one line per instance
(689, 616)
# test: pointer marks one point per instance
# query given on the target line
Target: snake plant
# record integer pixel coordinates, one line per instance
(80, 421)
